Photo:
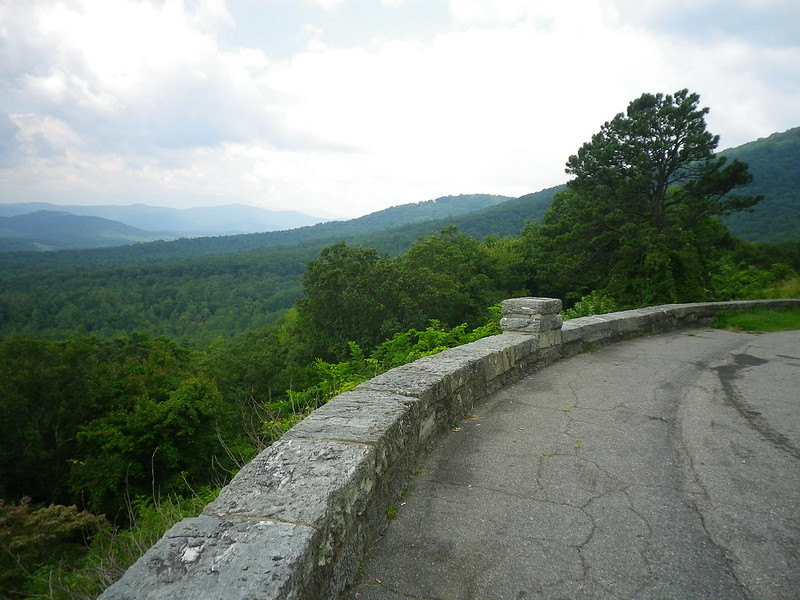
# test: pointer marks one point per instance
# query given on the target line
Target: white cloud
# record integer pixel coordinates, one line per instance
(156, 98)
(35, 130)
(209, 15)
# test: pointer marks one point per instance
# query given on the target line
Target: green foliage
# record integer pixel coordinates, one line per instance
(154, 443)
(47, 391)
(595, 303)
(352, 294)
(63, 554)
(195, 301)
(97, 422)
(640, 219)
(747, 281)
(758, 320)
(452, 278)
(788, 289)
(773, 162)
(33, 536)
(360, 295)
(343, 376)
(333, 379)
(410, 345)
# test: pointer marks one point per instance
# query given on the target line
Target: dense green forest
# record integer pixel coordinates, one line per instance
(135, 381)
(196, 290)
(773, 161)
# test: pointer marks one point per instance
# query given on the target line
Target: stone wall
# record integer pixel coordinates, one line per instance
(294, 523)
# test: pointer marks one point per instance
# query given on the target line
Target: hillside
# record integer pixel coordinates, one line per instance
(191, 289)
(169, 223)
(775, 164)
(425, 216)
(57, 230)
(198, 289)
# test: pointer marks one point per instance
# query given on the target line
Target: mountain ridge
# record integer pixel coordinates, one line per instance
(172, 223)
(445, 207)
(51, 229)
(196, 289)
(773, 162)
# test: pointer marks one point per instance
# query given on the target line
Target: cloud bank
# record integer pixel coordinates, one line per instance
(343, 107)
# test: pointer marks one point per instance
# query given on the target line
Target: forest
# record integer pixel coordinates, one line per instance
(135, 381)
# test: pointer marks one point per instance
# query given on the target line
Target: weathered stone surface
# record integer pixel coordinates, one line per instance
(531, 315)
(388, 422)
(525, 346)
(531, 306)
(321, 483)
(410, 381)
(457, 367)
(531, 324)
(520, 324)
(548, 339)
(206, 557)
(498, 353)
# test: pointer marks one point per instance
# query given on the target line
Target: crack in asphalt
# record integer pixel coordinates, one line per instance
(700, 493)
(580, 497)
(728, 373)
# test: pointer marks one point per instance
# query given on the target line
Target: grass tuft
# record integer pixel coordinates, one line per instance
(759, 320)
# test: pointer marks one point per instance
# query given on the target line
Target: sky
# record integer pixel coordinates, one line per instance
(340, 108)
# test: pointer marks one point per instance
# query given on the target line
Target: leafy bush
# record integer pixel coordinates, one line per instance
(595, 303)
(337, 378)
(35, 538)
(81, 572)
(758, 320)
(749, 282)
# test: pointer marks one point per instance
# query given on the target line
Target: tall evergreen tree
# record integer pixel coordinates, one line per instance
(640, 219)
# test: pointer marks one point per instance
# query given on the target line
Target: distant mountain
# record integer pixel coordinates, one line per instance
(228, 219)
(58, 230)
(775, 164)
(446, 208)
(234, 221)
(510, 217)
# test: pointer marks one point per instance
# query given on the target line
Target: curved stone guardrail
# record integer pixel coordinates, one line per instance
(294, 522)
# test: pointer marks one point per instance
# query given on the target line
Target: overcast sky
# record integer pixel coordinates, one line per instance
(344, 107)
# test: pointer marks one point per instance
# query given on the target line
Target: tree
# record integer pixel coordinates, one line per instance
(33, 536)
(452, 277)
(162, 441)
(47, 391)
(352, 295)
(641, 216)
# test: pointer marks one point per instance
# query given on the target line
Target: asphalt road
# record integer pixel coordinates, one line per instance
(664, 467)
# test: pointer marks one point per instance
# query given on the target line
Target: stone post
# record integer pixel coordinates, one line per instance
(534, 316)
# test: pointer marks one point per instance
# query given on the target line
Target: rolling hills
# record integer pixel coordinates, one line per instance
(775, 164)
(223, 229)
(196, 289)
(160, 223)
(58, 230)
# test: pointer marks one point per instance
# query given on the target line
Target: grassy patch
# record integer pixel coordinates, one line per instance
(759, 320)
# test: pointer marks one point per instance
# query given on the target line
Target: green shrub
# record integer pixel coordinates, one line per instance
(596, 303)
(33, 538)
(337, 378)
(759, 320)
(112, 551)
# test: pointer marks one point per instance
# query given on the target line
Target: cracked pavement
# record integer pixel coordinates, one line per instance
(663, 467)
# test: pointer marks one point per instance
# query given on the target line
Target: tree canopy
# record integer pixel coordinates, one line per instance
(640, 218)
